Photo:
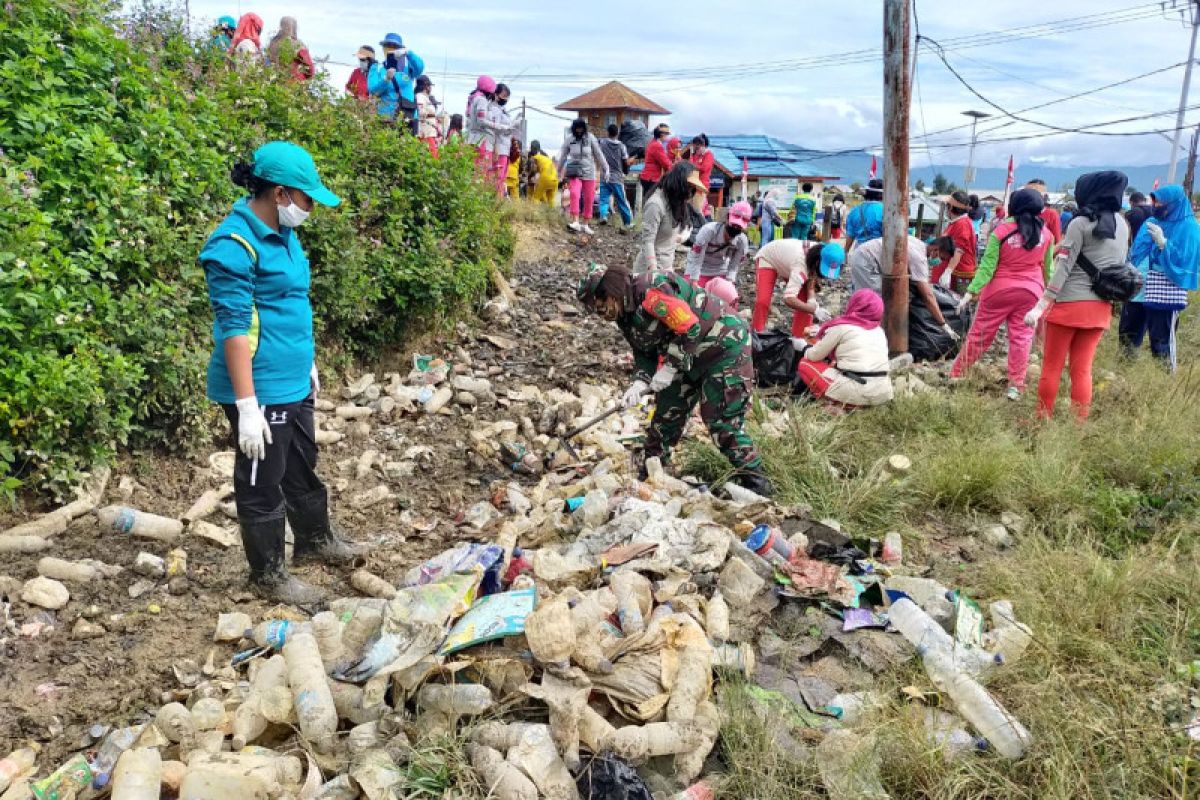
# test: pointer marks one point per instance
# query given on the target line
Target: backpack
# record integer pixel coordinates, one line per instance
(1120, 283)
(835, 217)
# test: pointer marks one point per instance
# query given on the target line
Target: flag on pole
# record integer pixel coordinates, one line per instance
(874, 167)
(745, 168)
(1155, 186)
(1008, 182)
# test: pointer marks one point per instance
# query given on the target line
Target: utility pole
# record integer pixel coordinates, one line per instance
(1189, 177)
(1183, 95)
(969, 176)
(897, 48)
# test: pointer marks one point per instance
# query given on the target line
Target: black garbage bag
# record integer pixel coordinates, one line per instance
(774, 358)
(635, 136)
(606, 777)
(926, 339)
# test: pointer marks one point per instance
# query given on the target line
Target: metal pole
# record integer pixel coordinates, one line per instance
(1189, 177)
(897, 44)
(1183, 95)
(970, 157)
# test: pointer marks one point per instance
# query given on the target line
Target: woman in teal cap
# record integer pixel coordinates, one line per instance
(222, 34)
(262, 371)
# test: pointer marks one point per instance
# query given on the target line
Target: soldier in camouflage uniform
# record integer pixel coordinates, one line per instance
(705, 352)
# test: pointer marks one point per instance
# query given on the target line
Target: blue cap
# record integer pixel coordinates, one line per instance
(227, 22)
(392, 38)
(833, 255)
(290, 165)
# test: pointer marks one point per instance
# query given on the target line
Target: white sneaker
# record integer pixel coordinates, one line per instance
(575, 226)
(588, 230)
(1013, 393)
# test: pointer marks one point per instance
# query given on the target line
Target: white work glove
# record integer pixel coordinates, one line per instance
(314, 380)
(662, 379)
(633, 394)
(254, 434)
(953, 334)
(1035, 313)
(1156, 233)
(391, 74)
(798, 344)
(962, 304)
(821, 315)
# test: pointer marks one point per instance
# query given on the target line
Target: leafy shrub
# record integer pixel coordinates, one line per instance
(114, 161)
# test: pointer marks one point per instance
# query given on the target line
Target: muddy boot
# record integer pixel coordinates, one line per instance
(756, 482)
(316, 539)
(640, 462)
(263, 542)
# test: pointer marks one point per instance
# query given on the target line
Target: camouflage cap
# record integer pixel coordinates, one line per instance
(586, 290)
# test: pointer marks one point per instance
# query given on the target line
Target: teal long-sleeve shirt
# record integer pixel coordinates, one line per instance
(258, 282)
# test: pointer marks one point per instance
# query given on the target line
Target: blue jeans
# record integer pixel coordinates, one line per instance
(616, 190)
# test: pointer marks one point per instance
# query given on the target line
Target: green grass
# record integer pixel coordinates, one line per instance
(1107, 573)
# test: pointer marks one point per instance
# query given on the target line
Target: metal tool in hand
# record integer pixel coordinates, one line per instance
(571, 434)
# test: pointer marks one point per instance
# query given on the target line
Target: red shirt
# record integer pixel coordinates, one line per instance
(657, 161)
(1053, 223)
(302, 65)
(356, 85)
(704, 165)
(963, 233)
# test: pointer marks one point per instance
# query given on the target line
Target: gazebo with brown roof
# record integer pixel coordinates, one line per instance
(612, 103)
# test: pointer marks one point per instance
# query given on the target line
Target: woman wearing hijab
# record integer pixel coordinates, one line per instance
(1167, 251)
(1078, 317)
(962, 230)
(1010, 280)
(849, 362)
(246, 43)
(286, 47)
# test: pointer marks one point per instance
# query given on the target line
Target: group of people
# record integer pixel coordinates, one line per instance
(242, 40)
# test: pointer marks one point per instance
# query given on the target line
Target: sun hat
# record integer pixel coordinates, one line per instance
(739, 214)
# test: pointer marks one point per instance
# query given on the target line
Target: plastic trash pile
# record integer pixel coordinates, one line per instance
(576, 649)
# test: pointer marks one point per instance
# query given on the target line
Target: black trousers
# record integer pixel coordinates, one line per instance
(288, 470)
(648, 188)
(1137, 321)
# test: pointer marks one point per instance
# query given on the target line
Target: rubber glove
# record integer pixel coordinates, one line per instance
(821, 314)
(962, 304)
(663, 378)
(633, 394)
(314, 380)
(1156, 233)
(953, 334)
(799, 344)
(1035, 313)
(254, 434)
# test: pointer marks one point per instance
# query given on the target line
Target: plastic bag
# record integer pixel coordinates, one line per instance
(926, 339)
(635, 136)
(774, 358)
(463, 558)
(606, 777)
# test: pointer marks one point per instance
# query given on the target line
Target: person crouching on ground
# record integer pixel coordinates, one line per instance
(704, 349)
(798, 264)
(720, 247)
(848, 363)
(1009, 282)
(262, 371)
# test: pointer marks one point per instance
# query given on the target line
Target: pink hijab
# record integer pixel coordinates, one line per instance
(865, 310)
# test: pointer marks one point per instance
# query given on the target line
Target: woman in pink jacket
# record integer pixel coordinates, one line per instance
(1009, 282)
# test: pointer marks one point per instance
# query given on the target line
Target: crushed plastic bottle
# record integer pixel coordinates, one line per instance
(116, 743)
(631, 589)
(310, 688)
(248, 720)
(470, 699)
(17, 763)
(138, 775)
(1005, 733)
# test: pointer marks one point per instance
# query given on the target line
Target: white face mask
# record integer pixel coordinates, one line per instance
(292, 215)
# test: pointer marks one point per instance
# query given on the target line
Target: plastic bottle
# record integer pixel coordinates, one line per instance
(946, 732)
(1008, 638)
(70, 571)
(986, 715)
(340, 788)
(893, 549)
(550, 632)
(327, 629)
(630, 587)
(471, 699)
(69, 780)
(502, 780)
(637, 743)
(716, 617)
(923, 632)
(372, 585)
(362, 627)
(116, 743)
(176, 723)
(122, 519)
(248, 721)
(138, 775)
(208, 713)
(17, 763)
(275, 633)
(310, 688)
(537, 757)
(500, 735)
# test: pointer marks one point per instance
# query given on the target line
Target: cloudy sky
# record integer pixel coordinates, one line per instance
(807, 72)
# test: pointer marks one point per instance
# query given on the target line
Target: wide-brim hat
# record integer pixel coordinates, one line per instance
(695, 182)
(954, 203)
(366, 51)
(874, 189)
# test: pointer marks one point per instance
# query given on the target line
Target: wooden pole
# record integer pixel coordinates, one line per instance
(897, 49)
(920, 219)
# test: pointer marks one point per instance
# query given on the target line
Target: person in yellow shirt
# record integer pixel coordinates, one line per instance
(545, 178)
(512, 180)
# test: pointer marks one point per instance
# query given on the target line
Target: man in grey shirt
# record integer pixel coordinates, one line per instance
(616, 155)
(866, 272)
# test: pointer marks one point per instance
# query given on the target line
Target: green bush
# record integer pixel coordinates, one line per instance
(115, 152)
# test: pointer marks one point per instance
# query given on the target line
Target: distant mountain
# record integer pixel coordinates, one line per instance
(855, 167)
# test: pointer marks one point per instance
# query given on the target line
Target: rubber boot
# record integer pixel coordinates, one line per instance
(263, 542)
(756, 482)
(316, 539)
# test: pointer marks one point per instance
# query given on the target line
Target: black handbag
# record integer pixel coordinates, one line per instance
(1120, 283)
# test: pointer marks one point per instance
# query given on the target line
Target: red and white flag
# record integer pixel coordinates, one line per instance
(874, 167)
(1155, 186)
(1008, 182)
(745, 168)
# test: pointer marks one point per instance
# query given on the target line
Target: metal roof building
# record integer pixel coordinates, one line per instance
(768, 157)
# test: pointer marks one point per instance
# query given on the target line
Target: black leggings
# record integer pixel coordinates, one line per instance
(648, 188)
(289, 468)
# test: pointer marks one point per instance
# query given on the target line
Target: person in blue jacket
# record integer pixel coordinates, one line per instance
(262, 371)
(394, 80)
(1167, 251)
(865, 221)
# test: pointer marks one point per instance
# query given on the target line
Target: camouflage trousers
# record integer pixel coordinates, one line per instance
(723, 392)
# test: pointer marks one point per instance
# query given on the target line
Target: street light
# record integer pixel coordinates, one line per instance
(970, 174)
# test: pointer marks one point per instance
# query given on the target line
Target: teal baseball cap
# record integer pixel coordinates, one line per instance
(833, 255)
(290, 165)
